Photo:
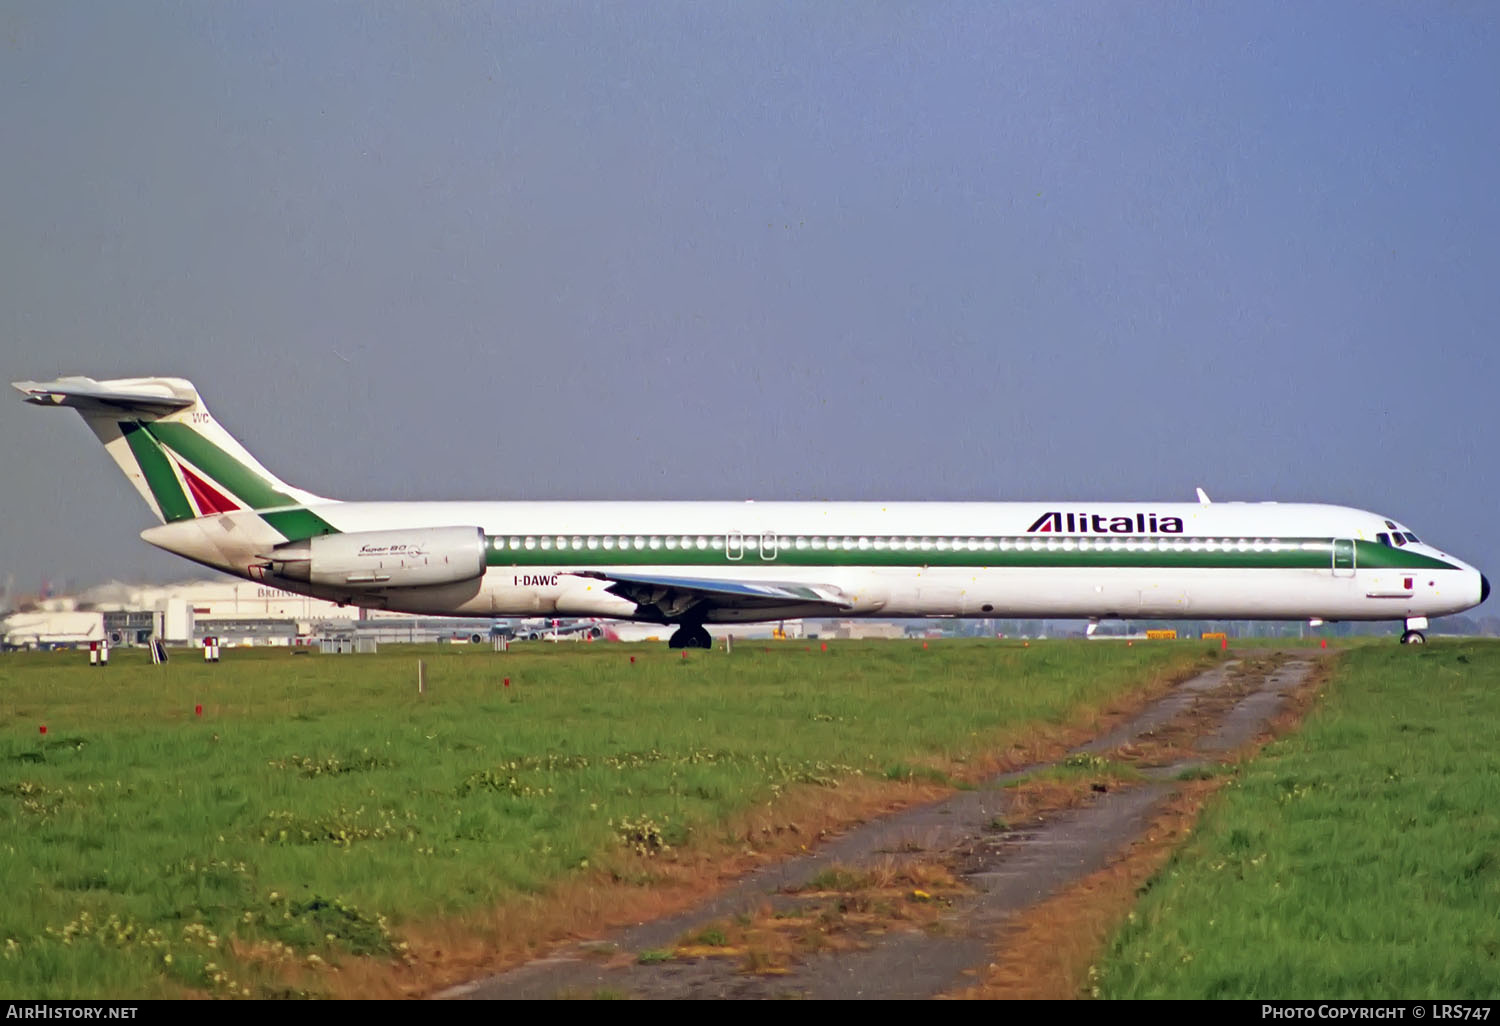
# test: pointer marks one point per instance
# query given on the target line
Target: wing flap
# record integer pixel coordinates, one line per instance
(674, 595)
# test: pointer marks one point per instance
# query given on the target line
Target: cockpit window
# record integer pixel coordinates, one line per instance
(1396, 537)
(1413, 538)
(1383, 539)
(1391, 524)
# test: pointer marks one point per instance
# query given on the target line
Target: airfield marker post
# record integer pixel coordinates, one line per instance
(421, 677)
(103, 653)
(93, 653)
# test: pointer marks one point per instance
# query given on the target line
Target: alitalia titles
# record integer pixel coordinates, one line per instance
(1100, 523)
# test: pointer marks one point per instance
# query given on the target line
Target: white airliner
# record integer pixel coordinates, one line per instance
(692, 563)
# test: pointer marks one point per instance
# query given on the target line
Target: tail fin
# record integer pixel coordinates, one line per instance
(178, 457)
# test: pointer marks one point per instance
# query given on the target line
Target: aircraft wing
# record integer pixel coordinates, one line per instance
(671, 595)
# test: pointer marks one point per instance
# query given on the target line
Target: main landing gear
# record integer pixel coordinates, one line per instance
(1413, 635)
(690, 635)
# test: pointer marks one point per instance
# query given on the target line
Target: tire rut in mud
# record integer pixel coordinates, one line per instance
(914, 904)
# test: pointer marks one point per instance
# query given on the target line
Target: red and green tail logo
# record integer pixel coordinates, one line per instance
(189, 476)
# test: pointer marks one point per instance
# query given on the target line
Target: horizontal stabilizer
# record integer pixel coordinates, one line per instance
(154, 397)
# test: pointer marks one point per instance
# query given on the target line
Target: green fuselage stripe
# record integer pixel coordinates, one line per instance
(159, 474)
(1281, 554)
(298, 524)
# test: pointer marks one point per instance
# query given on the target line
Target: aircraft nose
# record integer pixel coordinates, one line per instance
(1484, 587)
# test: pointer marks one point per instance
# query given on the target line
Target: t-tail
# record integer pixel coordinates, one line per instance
(175, 453)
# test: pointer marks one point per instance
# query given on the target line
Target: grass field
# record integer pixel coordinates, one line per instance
(1358, 858)
(319, 805)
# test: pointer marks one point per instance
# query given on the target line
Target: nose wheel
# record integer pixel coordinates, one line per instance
(1413, 638)
(690, 636)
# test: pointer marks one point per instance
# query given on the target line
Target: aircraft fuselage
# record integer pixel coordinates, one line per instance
(1096, 560)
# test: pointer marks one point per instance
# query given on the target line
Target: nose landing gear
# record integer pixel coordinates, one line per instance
(1414, 633)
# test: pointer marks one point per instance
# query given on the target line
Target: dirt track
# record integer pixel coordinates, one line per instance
(915, 904)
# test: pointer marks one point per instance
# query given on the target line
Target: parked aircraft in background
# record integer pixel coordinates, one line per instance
(688, 564)
(541, 629)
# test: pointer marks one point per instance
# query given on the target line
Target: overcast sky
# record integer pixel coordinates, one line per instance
(774, 250)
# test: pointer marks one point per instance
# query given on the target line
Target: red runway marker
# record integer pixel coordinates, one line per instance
(1223, 644)
(1322, 642)
(507, 682)
(825, 646)
(632, 660)
(197, 710)
(44, 728)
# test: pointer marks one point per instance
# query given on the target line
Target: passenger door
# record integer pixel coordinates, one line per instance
(1343, 557)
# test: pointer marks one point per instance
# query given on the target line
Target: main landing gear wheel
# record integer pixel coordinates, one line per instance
(1413, 638)
(690, 636)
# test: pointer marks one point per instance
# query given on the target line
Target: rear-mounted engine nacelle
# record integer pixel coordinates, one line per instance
(383, 559)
